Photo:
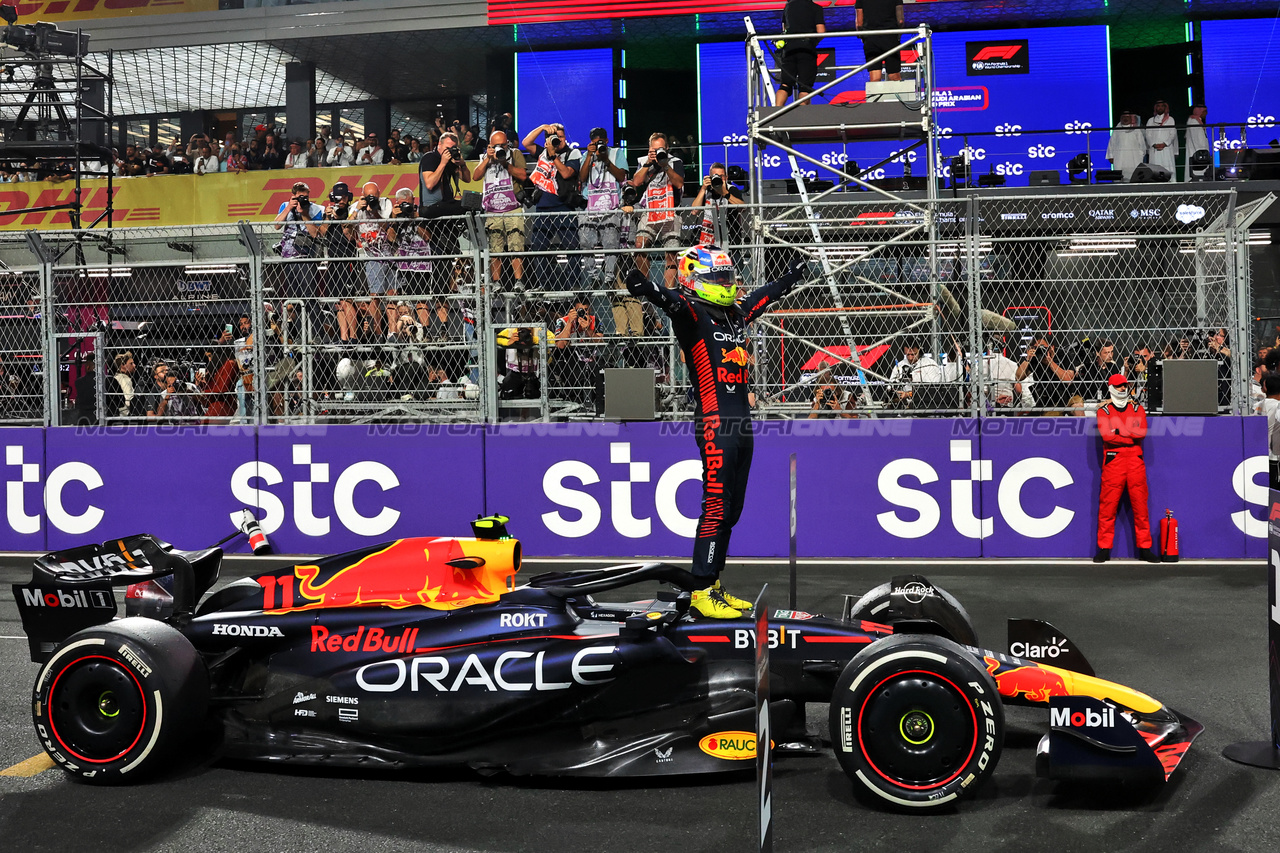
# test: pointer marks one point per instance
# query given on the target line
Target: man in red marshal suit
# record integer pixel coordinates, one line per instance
(1122, 423)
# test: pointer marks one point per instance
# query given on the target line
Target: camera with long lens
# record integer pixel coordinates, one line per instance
(659, 158)
(406, 210)
(372, 202)
(630, 195)
(454, 153)
(500, 153)
(341, 211)
(717, 183)
(556, 146)
(304, 203)
(524, 338)
(602, 149)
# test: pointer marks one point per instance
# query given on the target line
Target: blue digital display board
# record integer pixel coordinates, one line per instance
(1055, 79)
(572, 87)
(1242, 77)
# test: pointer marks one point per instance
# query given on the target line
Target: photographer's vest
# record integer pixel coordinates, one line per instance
(412, 245)
(499, 191)
(602, 189)
(707, 235)
(544, 175)
(659, 198)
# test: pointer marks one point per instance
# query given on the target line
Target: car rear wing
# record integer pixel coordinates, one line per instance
(73, 589)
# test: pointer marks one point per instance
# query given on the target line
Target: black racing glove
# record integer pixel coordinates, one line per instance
(794, 275)
(635, 282)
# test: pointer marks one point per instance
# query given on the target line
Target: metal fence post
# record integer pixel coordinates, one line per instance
(257, 318)
(48, 329)
(973, 281)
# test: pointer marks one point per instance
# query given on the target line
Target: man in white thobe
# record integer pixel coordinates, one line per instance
(1197, 138)
(1162, 139)
(1127, 146)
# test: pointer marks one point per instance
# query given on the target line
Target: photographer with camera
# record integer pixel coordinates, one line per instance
(299, 239)
(1050, 382)
(373, 213)
(518, 365)
(829, 399)
(502, 170)
(573, 367)
(409, 234)
(555, 181)
(660, 179)
(602, 174)
(439, 174)
(716, 193)
(343, 276)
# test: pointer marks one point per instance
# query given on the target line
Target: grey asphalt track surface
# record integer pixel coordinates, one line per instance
(1192, 635)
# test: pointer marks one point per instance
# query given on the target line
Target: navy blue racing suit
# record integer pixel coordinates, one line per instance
(714, 343)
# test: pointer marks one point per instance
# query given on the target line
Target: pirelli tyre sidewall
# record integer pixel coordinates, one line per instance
(115, 700)
(916, 722)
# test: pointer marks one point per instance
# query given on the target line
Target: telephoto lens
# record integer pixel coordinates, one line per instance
(500, 154)
(716, 182)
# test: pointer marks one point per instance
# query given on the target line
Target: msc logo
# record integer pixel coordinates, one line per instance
(1008, 168)
(1041, 152)
(1077, 127)
(1261, 120)
(1008, 130)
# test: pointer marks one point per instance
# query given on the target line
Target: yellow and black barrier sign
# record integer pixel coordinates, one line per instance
(191, 199)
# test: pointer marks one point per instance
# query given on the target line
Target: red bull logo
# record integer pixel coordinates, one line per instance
(1034, 683)
(737, 356)
(429, 572)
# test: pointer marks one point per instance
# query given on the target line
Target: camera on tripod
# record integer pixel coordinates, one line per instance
(41, 37)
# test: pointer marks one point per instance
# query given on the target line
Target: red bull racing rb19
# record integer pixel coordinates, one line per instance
(426, 652)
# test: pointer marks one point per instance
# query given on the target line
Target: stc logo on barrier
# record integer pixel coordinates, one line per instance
(966, 523)
(620, 496)
(15, 494)
(303, 495)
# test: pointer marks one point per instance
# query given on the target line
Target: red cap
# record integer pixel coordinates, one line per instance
(261, 127)
(1117, 379)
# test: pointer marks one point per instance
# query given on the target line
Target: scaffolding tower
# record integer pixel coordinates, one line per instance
(854, 219)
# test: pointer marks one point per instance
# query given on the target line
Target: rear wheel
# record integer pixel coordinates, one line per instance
(916, 722)
(115, 700)
(931, 603)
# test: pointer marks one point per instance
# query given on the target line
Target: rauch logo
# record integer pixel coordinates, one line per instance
(731, 746)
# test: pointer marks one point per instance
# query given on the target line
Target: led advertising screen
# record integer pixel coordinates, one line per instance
(1242, 78)
(572, 87)
(995, 84)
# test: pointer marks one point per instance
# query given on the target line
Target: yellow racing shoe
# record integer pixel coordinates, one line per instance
(731, 599)
(710, 603)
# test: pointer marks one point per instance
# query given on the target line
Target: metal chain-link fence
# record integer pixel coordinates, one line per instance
(964, 306)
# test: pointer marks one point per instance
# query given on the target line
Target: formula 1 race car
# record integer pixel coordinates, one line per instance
(425, 652)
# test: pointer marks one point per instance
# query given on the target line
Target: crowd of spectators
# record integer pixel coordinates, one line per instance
(1041, 374)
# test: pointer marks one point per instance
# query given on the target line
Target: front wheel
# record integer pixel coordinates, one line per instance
(916, 722)
(115, 700)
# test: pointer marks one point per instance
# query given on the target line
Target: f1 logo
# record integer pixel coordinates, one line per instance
(1000, 51)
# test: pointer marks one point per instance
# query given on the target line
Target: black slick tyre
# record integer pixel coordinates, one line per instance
(916, 722)
(115, 700)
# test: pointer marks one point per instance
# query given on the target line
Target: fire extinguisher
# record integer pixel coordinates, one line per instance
(1168, 538)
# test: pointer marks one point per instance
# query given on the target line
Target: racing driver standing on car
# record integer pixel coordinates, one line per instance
(1122, 423)
(712, 331)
